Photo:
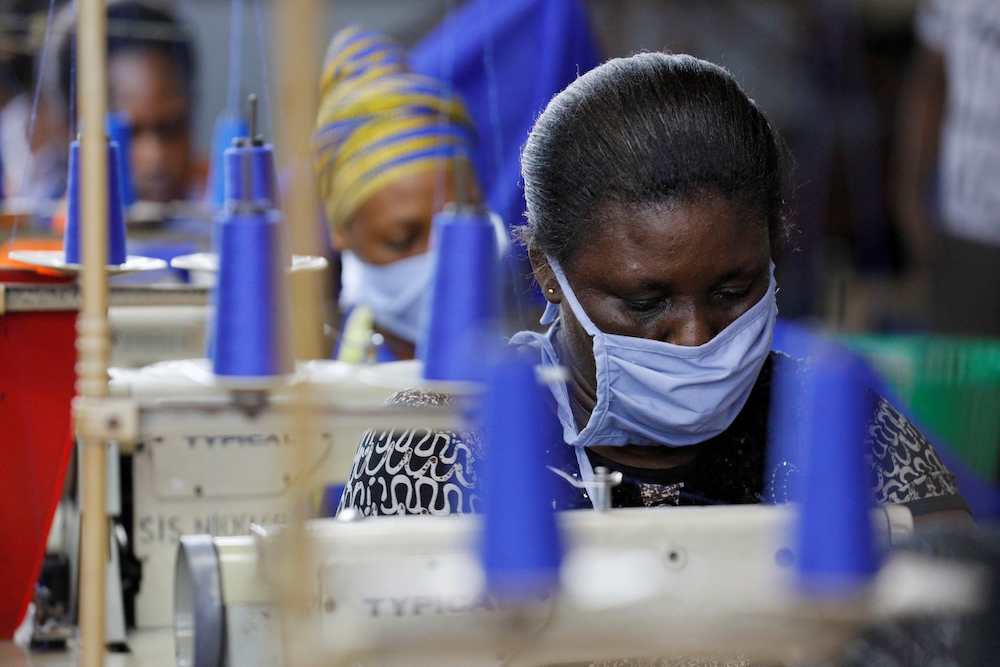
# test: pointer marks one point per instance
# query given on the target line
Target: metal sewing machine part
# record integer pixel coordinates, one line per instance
(699, 581)
(204, 464)
(599, 488)
(258, 181)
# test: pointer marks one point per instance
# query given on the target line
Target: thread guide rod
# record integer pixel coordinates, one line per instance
(92, 326)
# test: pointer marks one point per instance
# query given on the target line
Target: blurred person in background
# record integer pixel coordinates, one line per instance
(33, 168)
(503, 62)
(391, 148)
(947, 163)
(151, 80)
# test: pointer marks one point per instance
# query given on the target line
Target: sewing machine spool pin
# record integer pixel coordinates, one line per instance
(250, 401)
(604, 481)
(599, 488)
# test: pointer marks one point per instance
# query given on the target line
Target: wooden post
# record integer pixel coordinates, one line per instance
(92, 326)
(298, 48)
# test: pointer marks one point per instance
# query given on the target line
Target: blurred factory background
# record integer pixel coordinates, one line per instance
(835, 77)
(827, 73)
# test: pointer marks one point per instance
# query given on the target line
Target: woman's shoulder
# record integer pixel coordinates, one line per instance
(905, 468)
(416, 470)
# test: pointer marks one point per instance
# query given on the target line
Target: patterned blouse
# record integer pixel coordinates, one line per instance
(424, 471)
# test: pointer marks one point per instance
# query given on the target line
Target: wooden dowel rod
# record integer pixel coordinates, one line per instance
(298, 47)
(299, 50)
(92, 326)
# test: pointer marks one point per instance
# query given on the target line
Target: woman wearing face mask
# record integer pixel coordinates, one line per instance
(391, 148)
(655, 207)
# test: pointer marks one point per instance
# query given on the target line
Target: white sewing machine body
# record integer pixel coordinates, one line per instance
(393, 591)
(203, 463)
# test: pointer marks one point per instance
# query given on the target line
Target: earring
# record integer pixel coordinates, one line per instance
(550, 291)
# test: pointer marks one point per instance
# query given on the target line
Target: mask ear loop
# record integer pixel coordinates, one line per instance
(586, 469)
(574, 303)
(550, 314)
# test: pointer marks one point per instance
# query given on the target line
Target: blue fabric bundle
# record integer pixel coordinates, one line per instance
(506, 60)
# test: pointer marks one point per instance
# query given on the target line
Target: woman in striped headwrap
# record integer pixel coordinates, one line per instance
(391, 147)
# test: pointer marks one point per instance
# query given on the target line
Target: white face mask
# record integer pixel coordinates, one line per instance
(396, 292)
(654, 393)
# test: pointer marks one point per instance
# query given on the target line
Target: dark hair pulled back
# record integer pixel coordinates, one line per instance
(644, 130)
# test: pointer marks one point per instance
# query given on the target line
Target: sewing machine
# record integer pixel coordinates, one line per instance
(711, 581)
(208, 460)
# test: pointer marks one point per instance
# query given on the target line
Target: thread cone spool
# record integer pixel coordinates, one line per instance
(116, 213)
(120, 130)
(464, 312)
(521, 547)
(252, 344)
(261, 186)
(227, 129)
(836, 553)
(250, 180)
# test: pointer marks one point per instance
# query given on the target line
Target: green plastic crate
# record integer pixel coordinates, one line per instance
(952, 385)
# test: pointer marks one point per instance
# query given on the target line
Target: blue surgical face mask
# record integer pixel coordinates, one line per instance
(396, 292)
(654, 393)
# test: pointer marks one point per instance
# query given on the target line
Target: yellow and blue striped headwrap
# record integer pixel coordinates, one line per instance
(379, 122)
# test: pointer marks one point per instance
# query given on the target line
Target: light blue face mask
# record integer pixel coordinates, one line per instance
(399, 292)
(654, 393)
(396, 292)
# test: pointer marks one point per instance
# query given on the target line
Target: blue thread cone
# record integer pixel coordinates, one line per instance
(120, 130)
(227, 128)
(262, 175)
(465, 302)
(521, 549)
(116, 214)
(251, 335)
(249, 178)
(836, 552)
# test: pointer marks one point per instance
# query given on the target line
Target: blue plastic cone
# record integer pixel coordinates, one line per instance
(120, 130)
(251, 340)
(227, 128)
(116, 213)
(836, 553)
(462, 322)
(521, 549)
(261, 180)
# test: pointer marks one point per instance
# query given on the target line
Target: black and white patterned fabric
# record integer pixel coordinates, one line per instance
(422, 471)
(905, 467)
(414, 471)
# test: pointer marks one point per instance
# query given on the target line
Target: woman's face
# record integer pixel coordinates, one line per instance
(678, 272)
(395, 222)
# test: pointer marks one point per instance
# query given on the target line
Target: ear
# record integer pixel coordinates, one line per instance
(544, 275)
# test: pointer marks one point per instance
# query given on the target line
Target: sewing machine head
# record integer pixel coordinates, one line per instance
(210, 460)
(708, 582)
